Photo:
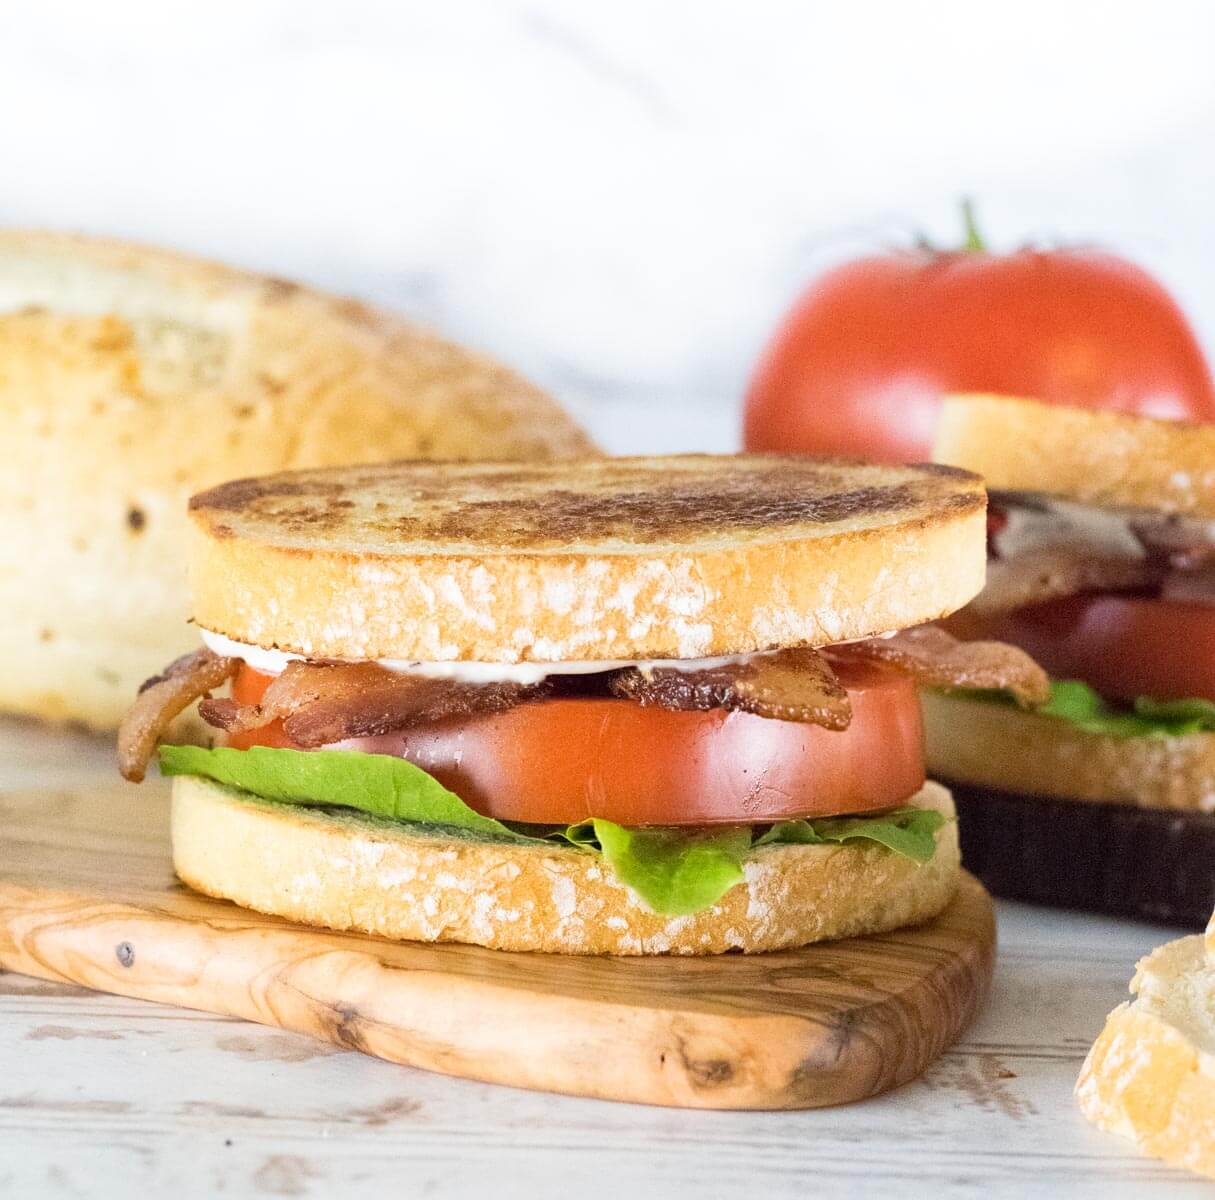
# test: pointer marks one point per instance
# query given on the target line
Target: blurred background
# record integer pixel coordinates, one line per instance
(619, 199)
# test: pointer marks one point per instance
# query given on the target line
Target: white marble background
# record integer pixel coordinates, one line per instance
(620, 198)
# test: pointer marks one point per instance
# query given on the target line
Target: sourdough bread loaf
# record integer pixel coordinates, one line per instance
(132, 377)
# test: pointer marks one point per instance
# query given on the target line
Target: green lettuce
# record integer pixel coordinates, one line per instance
(373, 783)
(907, 831)
(676, 872)
(1077, 703)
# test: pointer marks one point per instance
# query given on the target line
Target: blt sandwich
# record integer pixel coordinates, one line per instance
(616, 706)
(1101, 545)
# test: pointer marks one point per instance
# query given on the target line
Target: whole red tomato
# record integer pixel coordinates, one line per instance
(859, 365)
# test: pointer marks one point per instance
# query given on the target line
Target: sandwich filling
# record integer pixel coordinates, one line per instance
(673, 772)
(1118, 604)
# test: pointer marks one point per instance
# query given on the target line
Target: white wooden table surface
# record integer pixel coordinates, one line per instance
(111, 1098)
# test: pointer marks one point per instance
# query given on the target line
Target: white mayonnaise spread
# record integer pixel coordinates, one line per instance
(271, 662)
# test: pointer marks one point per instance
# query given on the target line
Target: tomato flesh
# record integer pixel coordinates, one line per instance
(1123, 646)
(562, 761)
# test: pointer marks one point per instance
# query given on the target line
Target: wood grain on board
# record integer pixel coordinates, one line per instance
(87, 896)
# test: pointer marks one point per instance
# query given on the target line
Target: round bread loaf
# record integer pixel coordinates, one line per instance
(1090, 455)
(343, 870)
(630, 558)
(132, 377)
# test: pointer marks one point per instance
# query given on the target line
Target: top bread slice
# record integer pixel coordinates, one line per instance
(1090, 455)
(132, 377)
(631, 558)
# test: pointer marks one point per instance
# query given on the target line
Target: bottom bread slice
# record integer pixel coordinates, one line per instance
(1150, 1075)
(1000, 746)
(344, 871)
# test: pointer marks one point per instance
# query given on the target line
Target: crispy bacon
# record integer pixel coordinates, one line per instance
(938, 659)
(161, 699)
(788, 685)
(321, 703)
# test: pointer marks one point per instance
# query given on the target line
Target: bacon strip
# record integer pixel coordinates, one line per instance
(321, 703)
(789, 685)
(938, 659)
(161, 699)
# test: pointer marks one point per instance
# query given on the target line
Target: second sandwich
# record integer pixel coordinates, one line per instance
(1101, 566)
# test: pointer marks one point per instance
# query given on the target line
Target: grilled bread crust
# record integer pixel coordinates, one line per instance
(631, 558)
(1090, 455)
(1005, 748)
(350, 872)
(1150, 1076)
(130, 378)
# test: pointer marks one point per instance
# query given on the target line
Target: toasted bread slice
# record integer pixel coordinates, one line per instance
(346, 871)
(998, 746)
(132, 377)
(631, 558)
(1091, 455)
(1150, 1076)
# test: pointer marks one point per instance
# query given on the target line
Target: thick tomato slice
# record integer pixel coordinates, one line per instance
(1123, 646)
(563, 761)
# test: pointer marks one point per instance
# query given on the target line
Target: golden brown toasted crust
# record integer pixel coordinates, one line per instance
(1150, 1075)
(354, 873)
(1091, 455)
(1010, 750)
(678, 557)
(130, 378)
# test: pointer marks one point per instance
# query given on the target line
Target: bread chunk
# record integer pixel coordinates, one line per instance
(1150, 1076)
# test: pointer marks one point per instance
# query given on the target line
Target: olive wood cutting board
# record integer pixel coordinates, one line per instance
(88, 896)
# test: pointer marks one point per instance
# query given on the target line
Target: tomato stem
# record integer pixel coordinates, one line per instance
(974, 239)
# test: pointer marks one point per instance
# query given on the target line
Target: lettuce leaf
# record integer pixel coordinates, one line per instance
(373, 783)
(1079, 705)
(676, 872)
(1195, 715)
(906, 831)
